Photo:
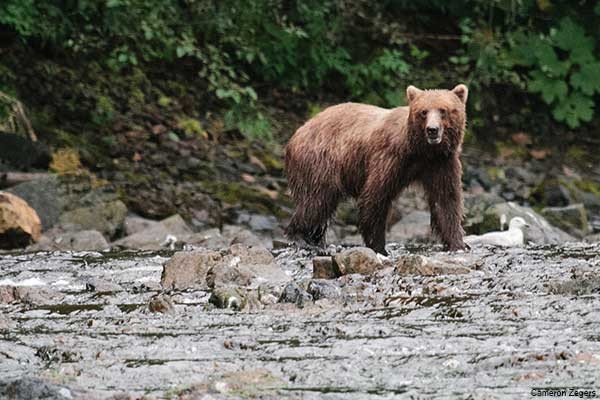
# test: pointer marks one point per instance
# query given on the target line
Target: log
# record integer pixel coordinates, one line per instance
(8, 179)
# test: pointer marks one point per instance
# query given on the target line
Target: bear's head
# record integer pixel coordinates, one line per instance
(437, 117)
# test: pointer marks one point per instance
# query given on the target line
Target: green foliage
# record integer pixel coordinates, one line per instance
(563, 69)
(238, 52)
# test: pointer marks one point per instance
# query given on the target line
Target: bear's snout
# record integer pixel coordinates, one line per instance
(433, 135)
(433, 127)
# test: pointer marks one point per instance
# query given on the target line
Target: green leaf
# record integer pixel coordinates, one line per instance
(570, 35)
(597, 8)
(549, 61)
(574, 109)
(587, 79)
(551, 89)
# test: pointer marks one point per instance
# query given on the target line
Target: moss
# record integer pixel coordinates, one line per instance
(165, 101)
(235, 193)
(577, 155)
(66, 162)
(192, 128)
(271, 157)
(137, 99)
(496, 173)
(588, 186)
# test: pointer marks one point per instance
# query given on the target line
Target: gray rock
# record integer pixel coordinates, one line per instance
(53, 196)
(187, 269)
(155, 237)
(539, 231)
(593, 238)
(134, 224)
(552, 192)
(324, 268)
(29, 295)
(572, 219)
(99, 285)
(43, 196)
(292, 293)
(239, 235)
(475, 207)
(28, 388)
(210, 239)
(357, 260)
(258, 222)
(324, 289)
(429, 266)
(58, 240)
(247, 267)
(106, 218)
(412, 227)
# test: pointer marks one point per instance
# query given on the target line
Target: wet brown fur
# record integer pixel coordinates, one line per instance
(372, 154)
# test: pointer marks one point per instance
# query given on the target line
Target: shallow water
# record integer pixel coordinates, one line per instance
(525, 318)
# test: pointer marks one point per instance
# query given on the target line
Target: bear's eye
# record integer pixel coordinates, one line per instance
(423, 113)
(442, 112)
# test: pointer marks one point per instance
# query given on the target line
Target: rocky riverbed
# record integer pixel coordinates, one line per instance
(254, 323)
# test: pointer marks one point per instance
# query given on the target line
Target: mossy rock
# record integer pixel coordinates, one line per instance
(571, 219)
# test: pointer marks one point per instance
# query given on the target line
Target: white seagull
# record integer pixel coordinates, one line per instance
(513, 237)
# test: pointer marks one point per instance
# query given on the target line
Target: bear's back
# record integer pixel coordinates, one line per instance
(343, 124)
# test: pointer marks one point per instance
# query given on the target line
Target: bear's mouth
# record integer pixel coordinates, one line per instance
(434, 140)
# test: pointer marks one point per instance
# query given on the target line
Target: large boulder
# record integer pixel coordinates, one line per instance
(134, 224)
(54, 196)
(106, 218)
(485, 212)
(572, 219)
(57, 239)
(186, 269)
(43, 196)
(155, 237)
(249, 267)
(19, 223)
(241, 266)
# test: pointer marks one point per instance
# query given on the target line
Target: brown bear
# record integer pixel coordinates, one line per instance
(372, 154)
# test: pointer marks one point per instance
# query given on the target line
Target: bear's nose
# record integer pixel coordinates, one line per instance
(432, 131)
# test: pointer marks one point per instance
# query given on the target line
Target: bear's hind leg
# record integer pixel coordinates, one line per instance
(310, 219)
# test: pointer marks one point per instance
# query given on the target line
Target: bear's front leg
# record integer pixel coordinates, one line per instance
(443, 187)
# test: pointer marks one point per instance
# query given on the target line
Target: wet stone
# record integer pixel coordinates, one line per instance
(324, 289)
(99, 285)
(247, 267)
(572, 219)
(357, 260)
(421, 265)
(58, 239)
(29, 295)
(292, 293)
(210, 239)
(161, 304)
(187, 269)
(324, 268)
(28, 388)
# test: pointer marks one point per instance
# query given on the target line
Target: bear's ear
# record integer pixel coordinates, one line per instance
(412, 92)
(462, 92)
